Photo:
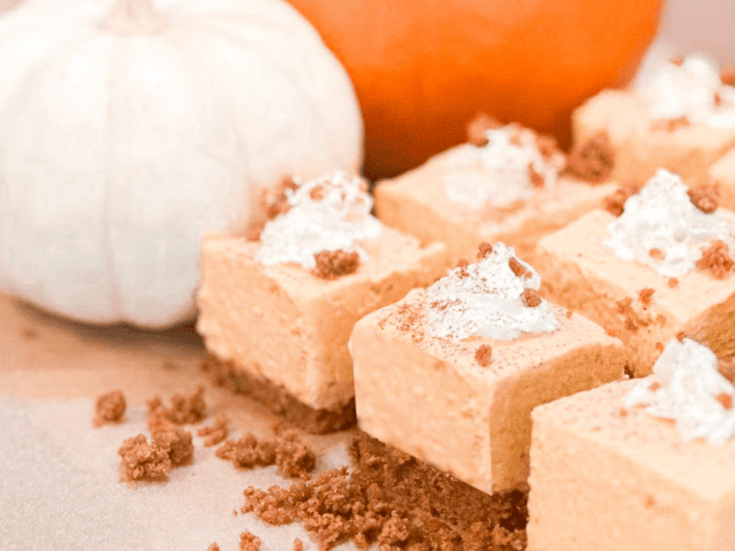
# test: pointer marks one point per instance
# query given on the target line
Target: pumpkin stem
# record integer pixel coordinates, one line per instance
(129, 17)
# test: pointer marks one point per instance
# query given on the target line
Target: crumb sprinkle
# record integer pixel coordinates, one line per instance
(484, 250)
(531, 298)
(110, 408)
(186, 409)
(217, 432)
(141, 461)
(727, 76)
(535, 177)
(680, 336)
(517, 268)
(645, 295)
(593, 160)
(716, 260)
(725, 399)
(484, 355)
(705, 197)
(615, 202)
(477, 128)
(249, 541)
(673, 282)
(657, 254)
(332, 264)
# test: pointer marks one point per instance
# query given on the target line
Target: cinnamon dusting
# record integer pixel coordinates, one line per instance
(593, 160)
(716, 259)
(110, 408)
(332, 264)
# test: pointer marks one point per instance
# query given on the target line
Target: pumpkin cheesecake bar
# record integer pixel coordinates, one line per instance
(638, 465)
(682, 119)
(661, 267)
(276, 311)
(450, 374)
(506, 184)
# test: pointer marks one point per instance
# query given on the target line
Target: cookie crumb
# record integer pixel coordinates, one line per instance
(680, 336)
(727, 369)
(673, 282)
(142, 461)
(657, 254)
(214, 547)
(661, 319)
(615, 202)
(531, 298)
(593, 160)
(477, 128)
(716, 259)
(704, 197)
(654, 386)
(185, 409)
(484, 355)
(249, 542)
(645, 295)
(517, 268)
(659, 346)
(110, 408)
(217, 432)
(298, 545)
(725, 399)
(535, 177)
(670, 125)
(275, 200)
(484, 250)
(332, 264)
(292, 457)
(176, 441)
(727, 76)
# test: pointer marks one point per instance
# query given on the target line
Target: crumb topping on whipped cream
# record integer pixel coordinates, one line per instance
(329, 213)
(505, 169)
(489, 298)
(690, 90)
(687, 388)
(661, 217)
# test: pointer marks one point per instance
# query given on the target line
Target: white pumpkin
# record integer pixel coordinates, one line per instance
(127, 130)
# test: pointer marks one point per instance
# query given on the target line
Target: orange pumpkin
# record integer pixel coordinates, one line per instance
(423, 68)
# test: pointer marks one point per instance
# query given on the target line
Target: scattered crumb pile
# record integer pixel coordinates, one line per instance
(337, 506)
(249, 542)
(217, 432)
(110, 408)
(170, 445)
(292, 457)
(593, 160)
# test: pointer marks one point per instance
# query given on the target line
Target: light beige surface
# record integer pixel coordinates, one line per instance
(60, 486)
(640, 150)
(722, 174)
(581, 273)
(429, 397)
(285, 324)
(602, 481)
(416, 203)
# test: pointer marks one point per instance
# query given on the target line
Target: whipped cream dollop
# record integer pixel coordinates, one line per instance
(486, 299)
(692, 89)
(329, 213)
(687, 388)
(501, 171)
(662, 217)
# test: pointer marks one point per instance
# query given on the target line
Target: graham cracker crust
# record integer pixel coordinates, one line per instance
(437, 495)
(278, 399)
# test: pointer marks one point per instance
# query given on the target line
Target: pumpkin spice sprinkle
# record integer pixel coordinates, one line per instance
(332, 264)
(593, 160)
(110, 408)
(489, 298)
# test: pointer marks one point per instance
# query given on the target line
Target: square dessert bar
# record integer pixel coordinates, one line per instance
(276, 311)
(464, 406)
(436, 202)
(619, 479)
(683, 120)
(631, 300)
